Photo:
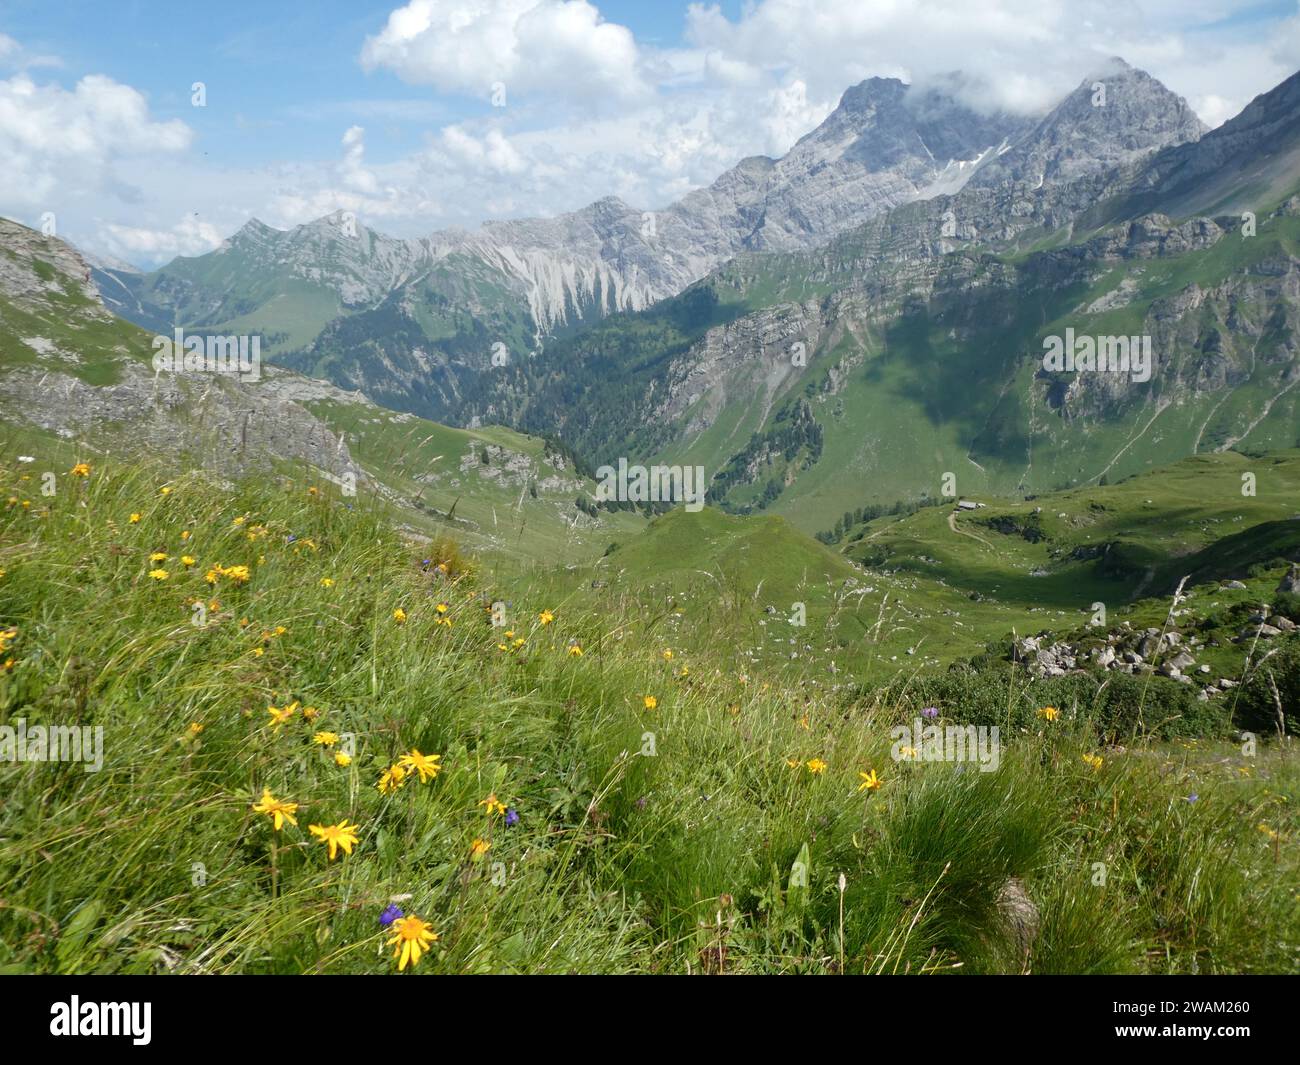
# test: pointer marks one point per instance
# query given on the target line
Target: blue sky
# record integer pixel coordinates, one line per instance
(385, 109)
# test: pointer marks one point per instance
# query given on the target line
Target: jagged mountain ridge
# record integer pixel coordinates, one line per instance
(885, 144)
(921, 327)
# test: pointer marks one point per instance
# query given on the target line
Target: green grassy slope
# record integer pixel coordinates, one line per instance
(709, 833)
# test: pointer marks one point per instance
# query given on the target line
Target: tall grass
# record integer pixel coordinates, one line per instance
(690, 837)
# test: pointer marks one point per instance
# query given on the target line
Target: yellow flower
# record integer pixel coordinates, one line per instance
(493, 806)
(410, 938)
(325, 739)
(816, 766)
(441, 608)
(310, 713)
(211, 576)
(80, 470)
(575, 651)
(399, 615)
(185, 534)
(793, 763)
(196, 727)
(159, 574)
(135, 519)
(424, 764)
(870, 782)
(1050, 713)
(165, 490)
(803, 723)
(1094, 761)
(342, 760)
(392, 778)
(280, 716)
(187, 560)
(906, 754)
(545, 617)
(258, 652)
(478, 848)
(650, 702)
(313, 491)
(238, 574)
(668, 656)
(336, 836)
(240, 520)
(327, 582)
(158, 556)
(276, 809)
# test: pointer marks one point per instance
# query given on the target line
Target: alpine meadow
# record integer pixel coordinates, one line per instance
(574, 487)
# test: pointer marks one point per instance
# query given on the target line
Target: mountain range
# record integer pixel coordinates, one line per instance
(839, 327)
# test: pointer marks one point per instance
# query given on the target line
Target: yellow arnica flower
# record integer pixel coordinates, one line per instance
(325, 739)
(336, 836)
(280, 716)
(158, 556)
(185, 534)
(424, 764)
(80, 470)
(135, 519)
(410, 938)
(545, 617)
(276, 809)
(650, 702)
(399, 615)
(391, 779)
(1050, 713)
(159, 574)
(342, 760)
(1093, 761)
(816, 766)
(870, 782)
(187, 560)
(165, 490)
(575, 651)
(238, 574)
(492, 804)
(478, 848)
(327, 582)
(441, 608)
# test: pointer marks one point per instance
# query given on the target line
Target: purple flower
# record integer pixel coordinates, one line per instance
(1192, 797)
(931, 712)
(512, 816)
(391, 913)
